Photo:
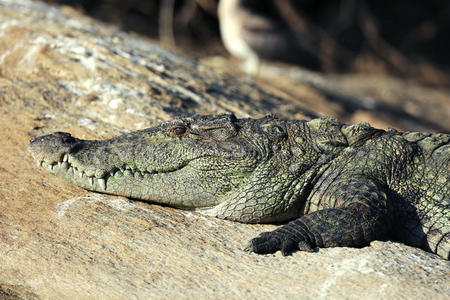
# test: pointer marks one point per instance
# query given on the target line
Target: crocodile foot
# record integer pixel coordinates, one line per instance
(280, 239)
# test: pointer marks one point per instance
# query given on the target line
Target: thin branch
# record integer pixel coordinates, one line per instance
(166, 12)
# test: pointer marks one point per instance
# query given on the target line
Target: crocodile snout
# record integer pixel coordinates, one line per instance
(52, 148)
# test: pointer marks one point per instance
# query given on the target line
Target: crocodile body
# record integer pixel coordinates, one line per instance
(337, 184)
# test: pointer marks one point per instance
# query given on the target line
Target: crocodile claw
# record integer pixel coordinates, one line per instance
(271, 242)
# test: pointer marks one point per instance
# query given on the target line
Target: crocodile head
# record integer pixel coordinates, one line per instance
(191, 162)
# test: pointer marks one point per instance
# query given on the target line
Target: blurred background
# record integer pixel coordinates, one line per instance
(406, 39)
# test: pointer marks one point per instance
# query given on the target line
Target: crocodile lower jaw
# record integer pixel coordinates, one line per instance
(66, 170)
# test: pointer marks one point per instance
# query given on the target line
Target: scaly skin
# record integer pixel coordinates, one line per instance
(342, 185)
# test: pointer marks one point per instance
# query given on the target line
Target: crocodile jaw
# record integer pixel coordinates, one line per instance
(172, 188)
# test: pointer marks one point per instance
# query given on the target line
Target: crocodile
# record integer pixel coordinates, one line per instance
(326, 183)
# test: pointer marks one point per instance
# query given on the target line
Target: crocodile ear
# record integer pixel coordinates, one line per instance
(219, 128)
(359, 132)
(327, 135)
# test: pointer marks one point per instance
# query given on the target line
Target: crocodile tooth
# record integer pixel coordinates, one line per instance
(59, 164)
(102, 183)
(127, 167)
(80, 174)
(122, 169)
(65, 157)
(111, 174)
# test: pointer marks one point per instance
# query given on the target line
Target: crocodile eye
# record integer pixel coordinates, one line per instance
(178, 131)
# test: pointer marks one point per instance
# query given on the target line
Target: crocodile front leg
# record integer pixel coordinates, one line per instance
(360, 215)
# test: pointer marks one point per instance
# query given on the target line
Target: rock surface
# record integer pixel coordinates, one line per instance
(60, 71)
